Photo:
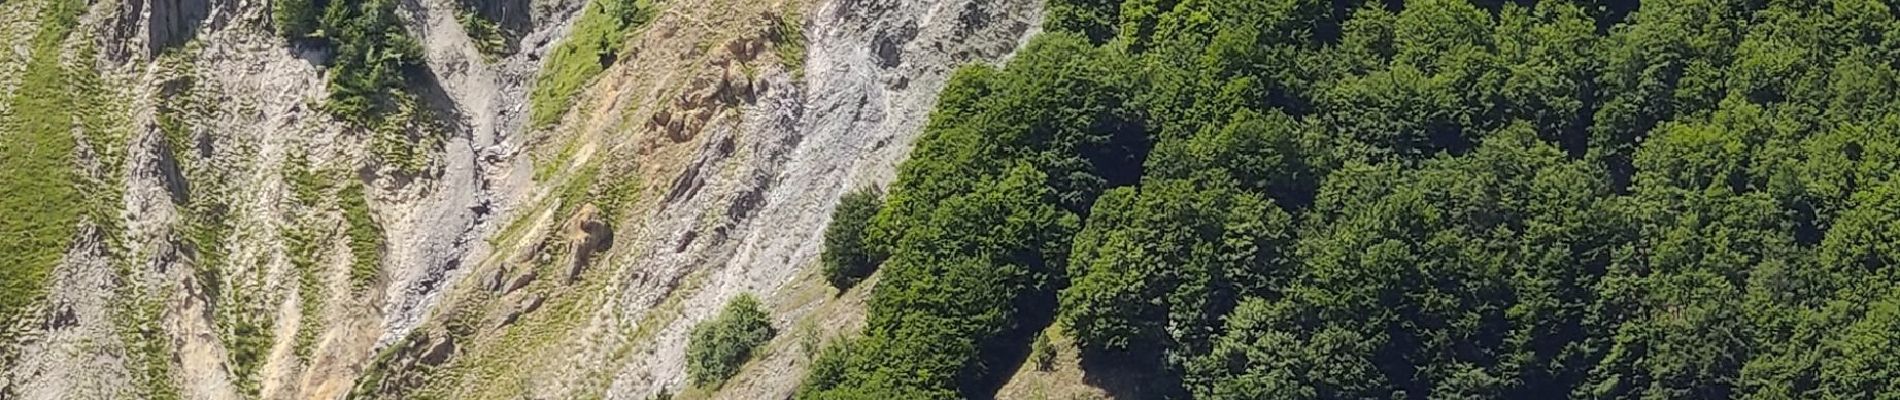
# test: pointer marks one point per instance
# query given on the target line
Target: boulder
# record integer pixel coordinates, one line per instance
(439, 352)
(586, 234)
(520, 281)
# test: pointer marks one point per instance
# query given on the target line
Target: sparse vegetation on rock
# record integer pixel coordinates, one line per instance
(594, 45)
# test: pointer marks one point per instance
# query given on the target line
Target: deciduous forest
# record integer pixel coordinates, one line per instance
(1443, 199)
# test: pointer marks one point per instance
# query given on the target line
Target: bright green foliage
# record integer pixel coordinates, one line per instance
(1287, 199)
(595, 43)
(1042, 352)
(979, 223)
(39, 204)
(847, 258)
(718, 347)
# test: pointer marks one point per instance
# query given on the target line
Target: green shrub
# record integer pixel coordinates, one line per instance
(296, 19)
(827, 370)
(1042, 352)
(373, 54)
(718, 347)
(847, 259)
(593, 46)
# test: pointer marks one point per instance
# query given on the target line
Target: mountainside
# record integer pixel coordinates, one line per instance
(949, 199)
(438, 198)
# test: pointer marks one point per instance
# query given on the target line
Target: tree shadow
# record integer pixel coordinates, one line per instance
(1141, 373)
(1004, 354)
(435, 99)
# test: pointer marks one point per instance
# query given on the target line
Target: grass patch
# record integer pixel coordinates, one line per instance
(247, 336)
(366, 237)
(545, 169)
(595, 43)
(576, 190)
(491, 365)
(37, 173)
(788, 41)
(305, 250)
(243, 323)
(407, 135)
(613, 195)
(618, 195)
(137, 313)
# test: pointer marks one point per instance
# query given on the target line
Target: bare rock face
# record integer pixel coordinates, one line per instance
(439, 352)
(750, 207)
(520, 281)
(764, 154)
(172, 22)
(157, 25)
(527, 305)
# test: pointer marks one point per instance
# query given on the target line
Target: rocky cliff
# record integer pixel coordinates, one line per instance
(235, 239)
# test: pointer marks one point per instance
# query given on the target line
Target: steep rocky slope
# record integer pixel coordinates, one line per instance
(236, 240)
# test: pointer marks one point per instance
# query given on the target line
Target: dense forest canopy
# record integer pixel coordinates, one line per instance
(1280, 199)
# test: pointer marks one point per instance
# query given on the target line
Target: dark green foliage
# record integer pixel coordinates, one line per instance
(956, 283)
(495, 26)
(1154, 267)
(827, 370)
(1095, 19)
(372, 59)
(1277, 199)
(847, 258)
(487, 35)
(373, 54)
(297, 19)
(978, 226)
(718, 347)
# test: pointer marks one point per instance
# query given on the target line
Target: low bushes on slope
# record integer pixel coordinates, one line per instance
(717, 348)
